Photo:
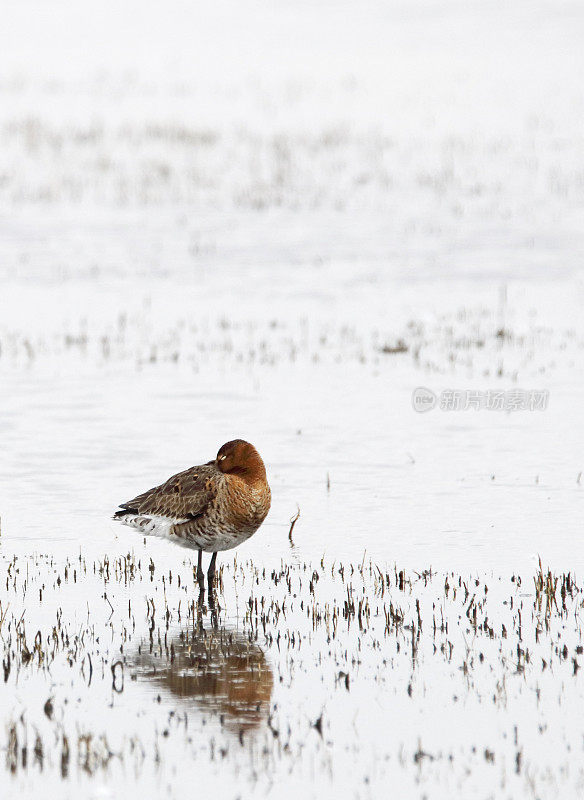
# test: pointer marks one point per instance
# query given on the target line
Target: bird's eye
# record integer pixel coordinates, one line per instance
(222, 458)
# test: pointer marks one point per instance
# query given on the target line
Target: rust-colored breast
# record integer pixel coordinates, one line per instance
(246, 505)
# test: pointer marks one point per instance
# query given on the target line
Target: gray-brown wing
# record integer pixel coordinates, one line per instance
(184, 495)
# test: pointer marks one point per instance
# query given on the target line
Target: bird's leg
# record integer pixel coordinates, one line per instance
(200, 573)
(211, 572)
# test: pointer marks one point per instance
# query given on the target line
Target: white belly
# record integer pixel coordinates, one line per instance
(221, 537)
(156, 526)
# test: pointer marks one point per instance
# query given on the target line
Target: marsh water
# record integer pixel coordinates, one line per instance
(233, 224)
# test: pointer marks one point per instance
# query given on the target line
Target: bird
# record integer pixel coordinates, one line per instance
(213, 507)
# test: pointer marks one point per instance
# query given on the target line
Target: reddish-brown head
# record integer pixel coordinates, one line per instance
(241, 458)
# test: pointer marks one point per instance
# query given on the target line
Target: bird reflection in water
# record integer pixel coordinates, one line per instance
(219, 670)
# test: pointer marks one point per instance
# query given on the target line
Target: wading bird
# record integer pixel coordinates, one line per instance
(213, 507)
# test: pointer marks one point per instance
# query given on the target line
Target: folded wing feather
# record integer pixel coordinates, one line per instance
(184, 495)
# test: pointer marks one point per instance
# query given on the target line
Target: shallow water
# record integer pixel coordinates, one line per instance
(336, 661)
(340, 437)
(277, 225)
(326, 677)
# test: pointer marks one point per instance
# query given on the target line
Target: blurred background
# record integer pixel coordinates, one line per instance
(416, 139)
